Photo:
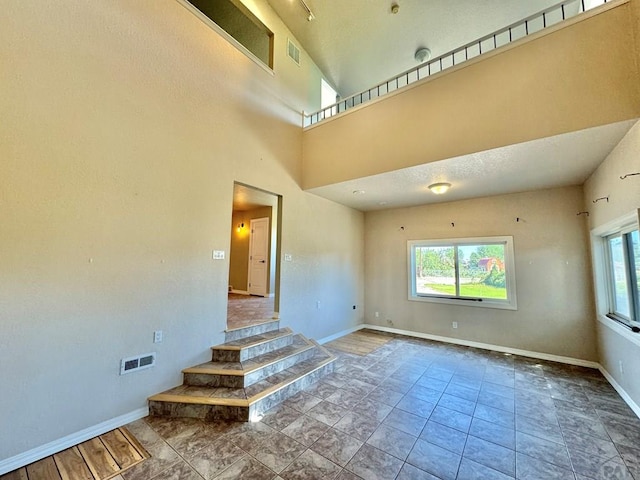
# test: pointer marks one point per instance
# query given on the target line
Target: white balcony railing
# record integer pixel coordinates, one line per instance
(528, 26)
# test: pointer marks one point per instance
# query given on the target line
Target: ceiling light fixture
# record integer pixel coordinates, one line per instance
(422, 54)
(358, 192)
(439, 188)
(395, 8)
(310, 15)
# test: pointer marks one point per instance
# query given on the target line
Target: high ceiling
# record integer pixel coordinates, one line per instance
(359, 43)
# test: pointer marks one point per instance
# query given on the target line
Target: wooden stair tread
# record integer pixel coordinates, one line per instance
(299, 345)
(254, 340)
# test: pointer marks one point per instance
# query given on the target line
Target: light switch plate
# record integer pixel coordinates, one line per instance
(218, 254)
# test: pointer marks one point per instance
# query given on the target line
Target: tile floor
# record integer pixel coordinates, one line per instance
(414, 410)
(245, 310)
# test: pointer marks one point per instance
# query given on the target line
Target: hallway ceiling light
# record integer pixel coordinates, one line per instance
(358, 192)
(422, 55)
(439, 188)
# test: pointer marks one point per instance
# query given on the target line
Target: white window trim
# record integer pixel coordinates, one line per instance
(509, 304)
(601, 272)
(214, 26)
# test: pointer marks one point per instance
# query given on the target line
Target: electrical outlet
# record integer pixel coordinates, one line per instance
(621, 366)
(377, 314)
(454, 324)
(318, 305)
(288, 257)
(157, 336)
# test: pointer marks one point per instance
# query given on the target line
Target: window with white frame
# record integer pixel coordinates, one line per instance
(466, 271)
(616, 268)
(622, 274)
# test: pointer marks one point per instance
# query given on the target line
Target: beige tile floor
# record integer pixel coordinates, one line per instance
(411, 410)
(245, 310)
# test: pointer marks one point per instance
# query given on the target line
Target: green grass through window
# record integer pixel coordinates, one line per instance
(477, 290)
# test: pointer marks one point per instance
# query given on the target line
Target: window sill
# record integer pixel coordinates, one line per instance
(620, 328)
(465, 303)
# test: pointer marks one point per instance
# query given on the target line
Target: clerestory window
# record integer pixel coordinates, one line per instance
(243, 29)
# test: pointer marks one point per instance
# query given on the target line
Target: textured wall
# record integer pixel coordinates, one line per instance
(124, 126)
(555, 313)
(615, 342)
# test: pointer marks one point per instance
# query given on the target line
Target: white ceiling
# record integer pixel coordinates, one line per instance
(360, 43)
(557, 161)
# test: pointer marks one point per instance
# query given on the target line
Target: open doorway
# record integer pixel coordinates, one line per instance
(253, 259)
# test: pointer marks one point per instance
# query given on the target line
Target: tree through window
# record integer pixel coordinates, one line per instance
(473, 271)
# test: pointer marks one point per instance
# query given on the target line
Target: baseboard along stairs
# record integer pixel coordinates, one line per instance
(255, 369)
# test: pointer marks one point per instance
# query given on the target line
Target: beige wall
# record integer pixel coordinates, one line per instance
(124, 126)
(616, 344)
(239, 256)
(559, 81)
(555, 314)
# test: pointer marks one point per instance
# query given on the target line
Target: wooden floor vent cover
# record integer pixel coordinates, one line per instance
(100, 458)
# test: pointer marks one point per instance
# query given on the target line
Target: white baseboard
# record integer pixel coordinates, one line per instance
(330, 338)
(38, 453)
(487, 346)
(621, 391)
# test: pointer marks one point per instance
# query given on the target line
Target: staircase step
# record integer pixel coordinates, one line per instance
(243, 374)
(288, 382)
(243, 349)
(243, 404)
(251, 330)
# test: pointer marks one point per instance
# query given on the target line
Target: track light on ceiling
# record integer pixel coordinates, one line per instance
(310, 15)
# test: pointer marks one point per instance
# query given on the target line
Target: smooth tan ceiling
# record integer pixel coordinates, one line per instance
(360, 43)
(248, 198)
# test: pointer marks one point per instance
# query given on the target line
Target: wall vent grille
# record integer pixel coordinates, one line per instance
(139, 362)
(293, 52)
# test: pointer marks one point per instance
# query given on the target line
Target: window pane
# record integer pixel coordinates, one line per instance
(435, 271)
(619, 272)
(634, 259)
(241, 24)
(482, 271)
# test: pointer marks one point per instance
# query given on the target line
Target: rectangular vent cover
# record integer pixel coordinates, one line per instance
(293, 52)
(139, 362)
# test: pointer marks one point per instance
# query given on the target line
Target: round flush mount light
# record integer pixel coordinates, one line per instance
(395, 8)
(439, 188)
(422, 54)
(358, 192)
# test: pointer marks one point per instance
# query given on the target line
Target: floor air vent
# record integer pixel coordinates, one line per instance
(139, 362)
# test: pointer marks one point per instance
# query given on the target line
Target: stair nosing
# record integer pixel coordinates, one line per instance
(236, 348)
(224, 402)
(240, 373)
(271, 390)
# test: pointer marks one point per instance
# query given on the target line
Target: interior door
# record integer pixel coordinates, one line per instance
(259, 257)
